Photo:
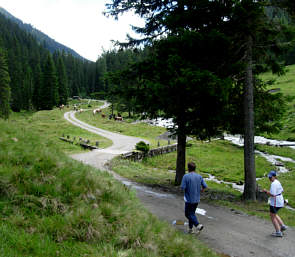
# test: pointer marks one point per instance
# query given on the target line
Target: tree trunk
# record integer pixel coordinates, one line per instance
(180, 162)
(249, 157)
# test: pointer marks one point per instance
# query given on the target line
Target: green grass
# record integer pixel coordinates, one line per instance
(286, 83)
(221, 159)
(54, 206)
(141, 130)
(218, 158)
(51, 125)
(261, 209)
(51, 205)
(281, 151)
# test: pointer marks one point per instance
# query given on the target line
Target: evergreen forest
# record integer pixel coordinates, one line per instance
(42, 76)
(41, 79)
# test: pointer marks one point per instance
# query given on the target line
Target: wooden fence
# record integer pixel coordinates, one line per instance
(137, 156)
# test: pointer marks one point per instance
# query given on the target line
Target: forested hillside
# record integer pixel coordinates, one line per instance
(27, 62)
(39, 79)
(49, 43)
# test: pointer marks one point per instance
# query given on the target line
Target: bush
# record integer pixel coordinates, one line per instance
(142, 146)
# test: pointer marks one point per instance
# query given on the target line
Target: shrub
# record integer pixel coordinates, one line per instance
(142, 146)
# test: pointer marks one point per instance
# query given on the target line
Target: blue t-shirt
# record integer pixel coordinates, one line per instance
(191, 184)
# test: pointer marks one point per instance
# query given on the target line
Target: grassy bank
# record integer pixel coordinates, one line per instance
(281, 151)
(51, 125)
(285, 84)
(218, 158)
(141, 130)
(53, 206)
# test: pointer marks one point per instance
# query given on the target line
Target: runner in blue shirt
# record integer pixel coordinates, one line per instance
(192, 184)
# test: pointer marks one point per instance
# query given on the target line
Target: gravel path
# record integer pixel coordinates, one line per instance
(227, 231)
(99, 158)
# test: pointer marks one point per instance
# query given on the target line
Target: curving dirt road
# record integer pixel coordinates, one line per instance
(226, 231)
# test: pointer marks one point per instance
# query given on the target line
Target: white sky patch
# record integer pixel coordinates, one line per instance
(78, 24)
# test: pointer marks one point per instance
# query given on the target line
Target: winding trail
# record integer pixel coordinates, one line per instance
(99, 158)
(229, 232)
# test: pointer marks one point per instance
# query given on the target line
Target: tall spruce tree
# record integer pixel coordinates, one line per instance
(62, 82)
(211, 19)
(16, 74)
(186, 78)
(38, 84)
(170, 83)
(49, 92)
(261, 39)
(27, 89)
(4, 87)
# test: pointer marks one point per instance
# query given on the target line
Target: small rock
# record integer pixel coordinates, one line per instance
(91, 196)
(279, 164)
(95, 206)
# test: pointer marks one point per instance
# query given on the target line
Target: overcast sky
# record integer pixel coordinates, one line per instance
(78, 24)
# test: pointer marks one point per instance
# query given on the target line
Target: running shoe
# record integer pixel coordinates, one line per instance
(277, 234)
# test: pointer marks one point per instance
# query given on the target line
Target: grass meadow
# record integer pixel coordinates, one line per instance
(52, 205)
(218, 158)
(286, 84)
(51, 125)
(126, 127)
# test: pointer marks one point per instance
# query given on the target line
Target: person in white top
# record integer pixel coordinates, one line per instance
(276, 203)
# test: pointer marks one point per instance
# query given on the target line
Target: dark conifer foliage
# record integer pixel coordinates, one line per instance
(49, 90)
(42, 39)
(4, 87)
(41, 80)
(27, 62)
(63, 91)
(210, 49)
(38, 84)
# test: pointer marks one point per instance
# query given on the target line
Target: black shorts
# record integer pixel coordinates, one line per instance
(273, 209)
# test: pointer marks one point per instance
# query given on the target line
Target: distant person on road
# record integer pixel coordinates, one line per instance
(192, 184)
(276, 203)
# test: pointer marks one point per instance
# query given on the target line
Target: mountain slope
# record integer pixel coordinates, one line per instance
(41, 37)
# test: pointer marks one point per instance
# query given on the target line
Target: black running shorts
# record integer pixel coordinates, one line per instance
(273, 209)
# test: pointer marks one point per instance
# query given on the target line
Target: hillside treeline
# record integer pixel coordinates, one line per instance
(49, 43)
(32, 69)
(41, 80)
